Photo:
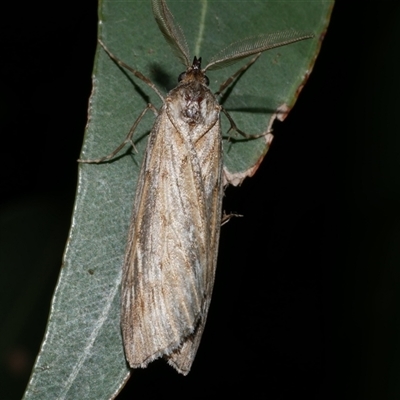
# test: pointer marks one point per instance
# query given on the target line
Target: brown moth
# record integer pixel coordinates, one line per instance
(171, 256)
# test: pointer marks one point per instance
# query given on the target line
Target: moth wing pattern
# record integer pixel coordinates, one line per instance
(170, 262)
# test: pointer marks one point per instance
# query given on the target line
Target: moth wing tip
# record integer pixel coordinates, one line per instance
(183, 371)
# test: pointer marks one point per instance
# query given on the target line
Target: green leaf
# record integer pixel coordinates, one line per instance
(82, 353)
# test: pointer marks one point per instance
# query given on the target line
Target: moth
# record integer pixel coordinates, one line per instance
(171, 255)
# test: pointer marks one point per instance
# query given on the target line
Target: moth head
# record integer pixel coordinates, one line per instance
(194, 73)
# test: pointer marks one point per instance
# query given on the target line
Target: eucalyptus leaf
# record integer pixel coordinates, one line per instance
(82, 354)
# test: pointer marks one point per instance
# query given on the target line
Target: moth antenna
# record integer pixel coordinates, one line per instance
(172, 32)
(253, 45)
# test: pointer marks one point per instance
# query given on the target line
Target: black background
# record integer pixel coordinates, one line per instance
(306, 298)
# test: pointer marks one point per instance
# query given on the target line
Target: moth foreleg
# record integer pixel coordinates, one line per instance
(135, 72)
(225, 84)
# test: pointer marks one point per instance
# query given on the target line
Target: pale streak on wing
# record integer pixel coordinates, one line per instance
(172, 248)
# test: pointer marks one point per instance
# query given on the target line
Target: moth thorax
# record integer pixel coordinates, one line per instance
(193, 99)
(192, 111)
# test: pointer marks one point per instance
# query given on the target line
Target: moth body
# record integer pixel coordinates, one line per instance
(170, 262)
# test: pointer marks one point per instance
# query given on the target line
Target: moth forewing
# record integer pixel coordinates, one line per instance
(170, 261)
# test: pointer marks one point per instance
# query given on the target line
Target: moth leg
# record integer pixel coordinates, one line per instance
(227, 217)
(235, 128)
(135, 72)
(225, 84)
(128, 138)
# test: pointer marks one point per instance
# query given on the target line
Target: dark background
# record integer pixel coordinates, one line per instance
(306, 298)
